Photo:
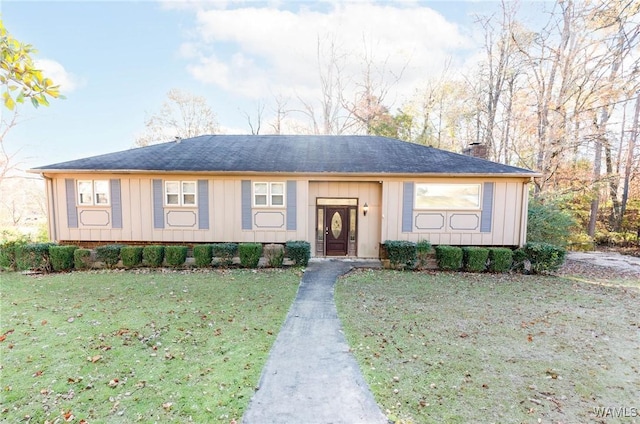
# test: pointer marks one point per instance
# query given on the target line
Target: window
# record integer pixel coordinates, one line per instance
(180, 193)
(268, 194)
(447, 196)
(93, 193)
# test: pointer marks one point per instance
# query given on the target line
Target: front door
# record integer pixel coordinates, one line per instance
(336, 230)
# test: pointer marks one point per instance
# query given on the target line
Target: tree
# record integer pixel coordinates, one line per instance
(183, 115)
(19, 75)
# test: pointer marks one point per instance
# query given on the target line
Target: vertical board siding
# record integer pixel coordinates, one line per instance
(158, 209)
(292, 211)
(407, 207)
(72, 211)
(246, 205)
(487, 208)
(116, 204)
(203, 204)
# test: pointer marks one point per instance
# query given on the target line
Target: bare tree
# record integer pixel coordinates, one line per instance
(183, 115)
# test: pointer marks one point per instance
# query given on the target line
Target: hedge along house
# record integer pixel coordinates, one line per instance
(344, 194)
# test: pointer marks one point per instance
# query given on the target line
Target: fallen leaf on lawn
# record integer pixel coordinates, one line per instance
(44, 322)
(68, 416)
(464, 335)
(94, 359)
(37, 374)
(71, 319)
(167, 406)
(113, 382)
(529, 338)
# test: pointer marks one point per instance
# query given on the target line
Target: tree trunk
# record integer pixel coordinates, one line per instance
(629, 163)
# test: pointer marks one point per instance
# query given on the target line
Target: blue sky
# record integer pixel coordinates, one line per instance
(116, 60)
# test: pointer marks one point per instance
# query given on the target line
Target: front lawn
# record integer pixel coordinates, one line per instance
(456, 347)
(137, 346)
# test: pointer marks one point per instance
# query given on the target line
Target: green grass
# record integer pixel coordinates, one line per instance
(137, 346)
(458, 348)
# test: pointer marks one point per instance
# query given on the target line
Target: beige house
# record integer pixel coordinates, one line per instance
(344, 194)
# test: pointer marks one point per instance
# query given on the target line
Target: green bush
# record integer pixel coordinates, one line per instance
(153, 255)
(175, 256)
(547, 223)
(474, 259)
(82, 259)
(423, 248)
(224, 252)
(8, 250)
(542, 258)
(449, 257)
(250, 254)
(131, 256)
(402, 253)
(500, 259)
(202, 254)
(299, 251)
(62, 257)
(108, 254)
(34, 257)
(274, 254)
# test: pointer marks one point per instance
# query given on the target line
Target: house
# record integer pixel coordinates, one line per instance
(344, 194)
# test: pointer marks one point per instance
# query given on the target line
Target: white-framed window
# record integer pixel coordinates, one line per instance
(180, 193)
(93, 193)
(268, 194)
(447, 196)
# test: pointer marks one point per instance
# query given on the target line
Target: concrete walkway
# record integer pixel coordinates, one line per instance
(310, 376)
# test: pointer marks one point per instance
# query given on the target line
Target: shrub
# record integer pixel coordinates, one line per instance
(449, 257)
(544, 257)
(274, 254)
(474, 259)
(299, 251)
(423, 248)
(547, 223)
(82, 259)
(250, 254)
(225, 252)
(175, 256)
(8, 254)
(402, 253)
(202, 254)
(500, 259)
(62, 257)
(34, 257)
(131, 256)
(108, 254)
(153, 255)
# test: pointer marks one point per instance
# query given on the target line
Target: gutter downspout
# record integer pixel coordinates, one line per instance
(525, 213)
(51, 209)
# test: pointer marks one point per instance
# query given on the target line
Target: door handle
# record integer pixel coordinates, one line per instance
(326, 231)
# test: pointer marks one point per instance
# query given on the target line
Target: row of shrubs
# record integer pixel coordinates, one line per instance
(47, 257)
(534, 258)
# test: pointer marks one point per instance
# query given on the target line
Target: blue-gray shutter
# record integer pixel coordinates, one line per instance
(116, 204)
(407, 207)
(292, 205)
(203, 204)
(72, 210)
(487, 208)
(158, 205)
(246, 205)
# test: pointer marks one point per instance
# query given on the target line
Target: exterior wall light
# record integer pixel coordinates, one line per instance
(365, 209)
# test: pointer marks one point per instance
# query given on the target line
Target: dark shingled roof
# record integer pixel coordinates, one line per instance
(289, 154)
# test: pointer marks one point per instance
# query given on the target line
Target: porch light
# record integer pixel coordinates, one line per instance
(365, 209)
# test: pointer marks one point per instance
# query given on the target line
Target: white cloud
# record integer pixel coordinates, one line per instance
(67, 81)
(256, 51)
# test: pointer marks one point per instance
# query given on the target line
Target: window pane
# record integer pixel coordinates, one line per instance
(277, 200)
(173, 199)
(189, 187)
(85, 192)
(102, 192)
(189, 199)
(277, 188)
(172, 187)
(448, 196)
(261, 200)
(260, 188)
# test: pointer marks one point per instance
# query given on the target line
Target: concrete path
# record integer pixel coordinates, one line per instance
(310, 376)
(607, 259)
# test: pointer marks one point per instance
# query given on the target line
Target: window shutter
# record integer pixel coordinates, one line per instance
(407, 207)
(116, 204)
(203, 204)
(486, 216)
(292, 205)
(72, 210)
(246, 205)
(158, 202)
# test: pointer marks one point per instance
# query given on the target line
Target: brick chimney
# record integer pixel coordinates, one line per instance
(476, 150)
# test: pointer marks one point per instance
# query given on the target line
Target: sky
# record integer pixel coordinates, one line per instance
(116, 60)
